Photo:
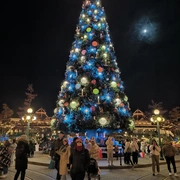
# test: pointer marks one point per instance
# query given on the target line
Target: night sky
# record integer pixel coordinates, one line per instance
(37, 38)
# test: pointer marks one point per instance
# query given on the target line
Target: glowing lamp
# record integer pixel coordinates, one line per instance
(159, 119)
(28, 117)
(34, 118)
(156, 112)
(30, 110)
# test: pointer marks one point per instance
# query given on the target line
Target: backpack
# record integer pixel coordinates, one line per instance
(20, 151)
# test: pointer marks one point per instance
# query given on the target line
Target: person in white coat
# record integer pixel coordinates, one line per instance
(110, 147)
(155, 151)
(64, 152)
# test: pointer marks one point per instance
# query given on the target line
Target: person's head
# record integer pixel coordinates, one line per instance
(65, 141)
(134, 139)
(154, 143)
(23, 138)
(110, 138)
(74, 139)
(87, 141)
(168, 142)
(93, 142)
(60, 134)
(79, 145)
(6, 143)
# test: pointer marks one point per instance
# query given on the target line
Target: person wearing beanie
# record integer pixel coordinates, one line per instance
(21, 161)
(79, 161)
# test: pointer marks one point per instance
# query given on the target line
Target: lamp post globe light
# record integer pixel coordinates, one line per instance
(29, 117)
(157, 118)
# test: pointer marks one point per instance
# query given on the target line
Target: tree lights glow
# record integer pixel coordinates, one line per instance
(92, 94)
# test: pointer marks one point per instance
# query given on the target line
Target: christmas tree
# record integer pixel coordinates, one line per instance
(92, 94)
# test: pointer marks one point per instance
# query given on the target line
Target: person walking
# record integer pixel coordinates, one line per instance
(135, 151)
(64, 153)
(155, 151)
(21, 161)
(79, 161)
(56, 146)
(169, 152)
(128, 152)
(110, 147)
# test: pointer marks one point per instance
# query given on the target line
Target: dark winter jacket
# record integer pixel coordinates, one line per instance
(22, 152)
(56, 146)
(79, 160)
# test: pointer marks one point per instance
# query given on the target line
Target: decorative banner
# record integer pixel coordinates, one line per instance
(95, 91)
(103, 121)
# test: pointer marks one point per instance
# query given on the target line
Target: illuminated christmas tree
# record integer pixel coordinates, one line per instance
(92, 94)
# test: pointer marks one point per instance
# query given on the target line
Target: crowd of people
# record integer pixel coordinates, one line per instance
(15, 153)
(77, 155)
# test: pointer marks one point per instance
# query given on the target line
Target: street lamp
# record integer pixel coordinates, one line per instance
(156, 117)
(29, 117)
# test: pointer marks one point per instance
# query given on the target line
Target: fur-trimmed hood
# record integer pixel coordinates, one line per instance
(23, 138)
